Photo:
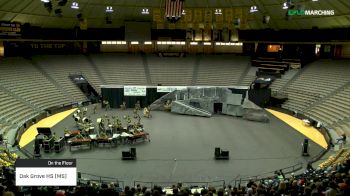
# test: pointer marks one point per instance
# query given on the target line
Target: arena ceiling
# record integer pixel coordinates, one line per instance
(34, 12)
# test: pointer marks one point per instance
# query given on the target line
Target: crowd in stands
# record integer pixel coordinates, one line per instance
(332, 181)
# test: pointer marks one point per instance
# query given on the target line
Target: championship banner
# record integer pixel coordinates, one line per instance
(83, 24)
(173, 8)
(181, 25)
(189, 15)
(208, 15)
(219, 18)
(10, 29)
(244, 17)
(135, 91)
(198, 15)
(228, 13)
(219, 25)
(171, 26)
(157, 15)
(160, 25)
(207, 34)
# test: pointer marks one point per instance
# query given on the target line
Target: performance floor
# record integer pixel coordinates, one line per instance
(255, 148)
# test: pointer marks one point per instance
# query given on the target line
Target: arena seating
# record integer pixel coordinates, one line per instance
(227, 72)
(59, 67)
(334, 109)
(121, 69)
(13, 111)
(23, 79)
(315, 82)
(171, 70)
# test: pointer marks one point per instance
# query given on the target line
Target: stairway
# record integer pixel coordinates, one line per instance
(195, 70)
(146, 67)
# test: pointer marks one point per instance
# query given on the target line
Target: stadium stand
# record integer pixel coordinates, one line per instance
(227, 72)
(30, 84)
(60, 67)
(121, 69)
(171, 70)
(318, 80)
(13, 111)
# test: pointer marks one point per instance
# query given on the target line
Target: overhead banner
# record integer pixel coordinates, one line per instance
(168, 89)
(10, 29)
(134, 90)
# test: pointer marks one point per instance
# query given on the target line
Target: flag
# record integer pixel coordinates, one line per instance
(173, 9)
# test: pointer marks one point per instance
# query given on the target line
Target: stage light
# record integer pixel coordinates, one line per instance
(134, 42)
(148, 43)
(108, 19)
(58, 12)
(145, 11)
(218, 12)
(266, 19)
(253, 9)
(48, 6)
(62, 2)
(75, 5)
(207, 43)
(183, 12)
(109, 9)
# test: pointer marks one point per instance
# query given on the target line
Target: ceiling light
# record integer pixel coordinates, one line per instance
(148, 43)
(134, 42)
(314, 0)
(193, 43)
(145, 11)
(75, 5)
(183, 12)
(45, 1)
(206, 43)
(109, 9)
(285, 6)
(62, 2)
(253, 8)
(218, 11)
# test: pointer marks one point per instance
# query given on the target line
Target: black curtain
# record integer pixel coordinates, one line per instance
(115, 97)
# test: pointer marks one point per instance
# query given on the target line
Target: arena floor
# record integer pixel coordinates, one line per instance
(254, 147)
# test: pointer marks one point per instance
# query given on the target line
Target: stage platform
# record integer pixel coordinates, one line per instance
(254, 148)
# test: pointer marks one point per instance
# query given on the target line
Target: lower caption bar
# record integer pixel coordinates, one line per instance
(46, 176)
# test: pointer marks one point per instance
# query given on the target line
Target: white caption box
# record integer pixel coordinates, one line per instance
(46, 176)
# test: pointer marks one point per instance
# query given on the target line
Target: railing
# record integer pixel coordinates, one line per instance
(217, 183)
(84, 178)
(286, 170)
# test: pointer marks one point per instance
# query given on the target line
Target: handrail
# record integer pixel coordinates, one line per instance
(100, 179)
(150, 184)
(293, 168)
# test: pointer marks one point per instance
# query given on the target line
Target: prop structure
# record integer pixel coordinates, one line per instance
(205, 101)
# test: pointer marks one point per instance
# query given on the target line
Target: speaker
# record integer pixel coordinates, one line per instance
(37, 148)
(225, 154)
(133, 152)
(217, 152)
(126, 154)
(305, 150)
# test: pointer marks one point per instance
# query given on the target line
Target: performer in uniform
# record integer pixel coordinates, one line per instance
(123, 106)
(135, 113)
(137, 105)
(95, 108)
(147, 112)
